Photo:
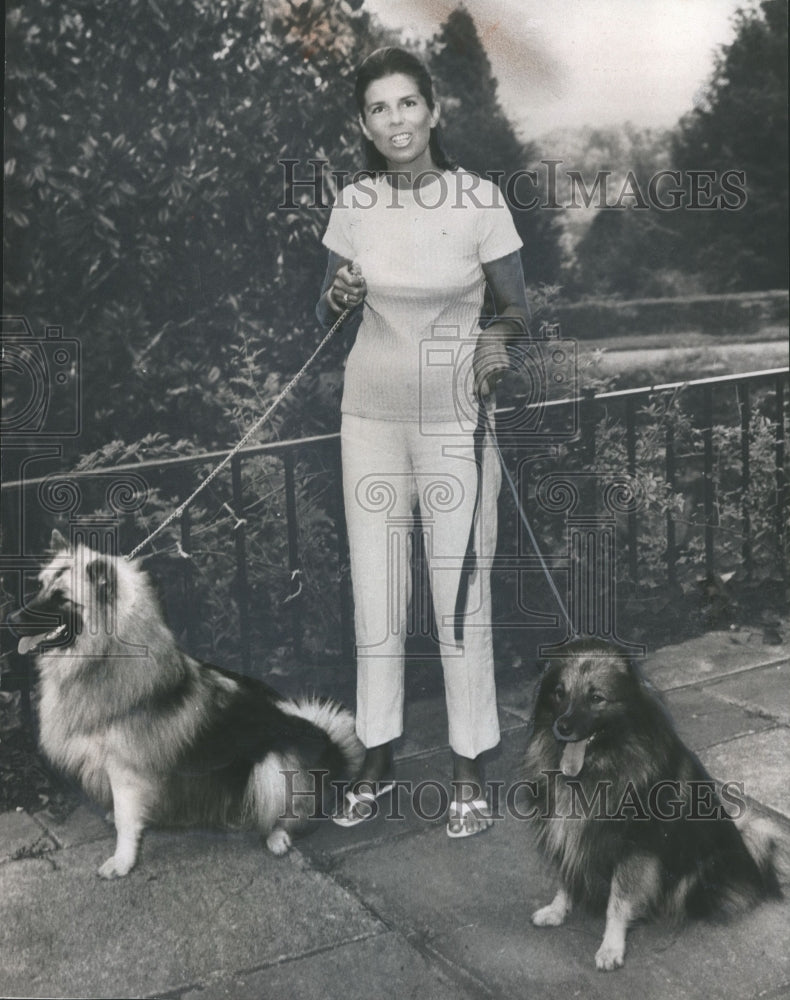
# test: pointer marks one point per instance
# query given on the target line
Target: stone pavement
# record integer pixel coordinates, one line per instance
(393, 908)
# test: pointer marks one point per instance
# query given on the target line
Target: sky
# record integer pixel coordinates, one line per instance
(568, 63)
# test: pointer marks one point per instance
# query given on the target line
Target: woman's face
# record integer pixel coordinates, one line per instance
(398, 121)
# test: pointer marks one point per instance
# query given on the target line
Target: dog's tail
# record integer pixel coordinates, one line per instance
(301, 782)
(338, 724)
(736, 867)
(764, 842)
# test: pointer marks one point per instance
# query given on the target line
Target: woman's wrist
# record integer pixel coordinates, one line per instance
(330, 298)
(325, 310)
(502, 330)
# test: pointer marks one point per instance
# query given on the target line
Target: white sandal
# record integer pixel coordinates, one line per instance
(366, 799)
(460, 810)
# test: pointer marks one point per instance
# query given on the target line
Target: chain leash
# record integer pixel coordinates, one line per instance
(237, 448)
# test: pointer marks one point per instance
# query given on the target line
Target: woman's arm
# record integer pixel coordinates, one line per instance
(505, 278)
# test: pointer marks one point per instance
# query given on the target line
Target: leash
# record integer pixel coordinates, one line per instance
(488, 412)
(237, 448)
(488, 417)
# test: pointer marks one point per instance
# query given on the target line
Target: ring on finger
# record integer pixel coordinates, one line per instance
(345, 297)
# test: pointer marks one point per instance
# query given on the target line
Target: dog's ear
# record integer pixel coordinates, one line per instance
(57, 542)
(541, 677)
(102, 575)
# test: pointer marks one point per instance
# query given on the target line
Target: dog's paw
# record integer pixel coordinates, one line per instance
(609, 957)
(115, 868)
(549, 916)
(278, 841)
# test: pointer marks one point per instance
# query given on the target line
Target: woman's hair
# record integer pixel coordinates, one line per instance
(386, 62)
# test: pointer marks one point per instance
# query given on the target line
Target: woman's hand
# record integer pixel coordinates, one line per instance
(348, 288)
(491, 359)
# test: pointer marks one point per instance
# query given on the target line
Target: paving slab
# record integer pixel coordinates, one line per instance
(471, 900)
(197, 904)
(421, 799)
(442, 901)
(481, 922)
(764, 690)
(758, 761)
(384, 967)
(715, 654)
(702, 719)
(700, 962)
(21, 836)
(517, 697)
(83, 825)
(425, 726)
(393, 908)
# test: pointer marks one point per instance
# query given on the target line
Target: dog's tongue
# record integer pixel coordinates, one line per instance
(573, 757)
(27, 642)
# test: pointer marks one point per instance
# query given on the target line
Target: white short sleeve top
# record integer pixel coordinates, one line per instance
(421, 252)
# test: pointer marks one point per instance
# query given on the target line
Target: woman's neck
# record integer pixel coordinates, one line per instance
(411, 175)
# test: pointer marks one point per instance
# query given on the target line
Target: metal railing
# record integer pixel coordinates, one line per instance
(621, 406)
(777, 380)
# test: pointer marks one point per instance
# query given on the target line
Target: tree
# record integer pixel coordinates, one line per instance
(627, 248)
(480, 137)
(742, 124)
(148, 212)
(147, 205)
(734, 140)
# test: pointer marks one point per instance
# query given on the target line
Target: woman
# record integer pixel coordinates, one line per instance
(415, 243)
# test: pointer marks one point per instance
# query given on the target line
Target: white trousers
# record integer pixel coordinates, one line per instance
(388, 468)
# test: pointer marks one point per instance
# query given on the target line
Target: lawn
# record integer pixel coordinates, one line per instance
(658, 358)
